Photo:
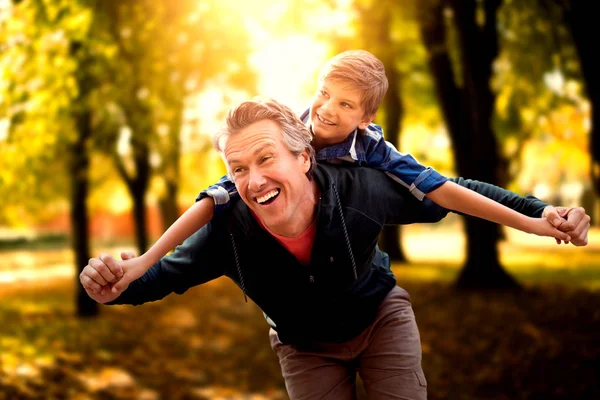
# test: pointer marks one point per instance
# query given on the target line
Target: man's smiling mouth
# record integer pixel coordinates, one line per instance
(268, 198)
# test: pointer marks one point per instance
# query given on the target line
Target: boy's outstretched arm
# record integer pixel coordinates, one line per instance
(195, 217)
(454, 197)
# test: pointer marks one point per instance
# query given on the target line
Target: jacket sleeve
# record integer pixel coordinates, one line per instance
(528, 205)
(198, 260)
(401, 167)
(221, 192)
(399, 208)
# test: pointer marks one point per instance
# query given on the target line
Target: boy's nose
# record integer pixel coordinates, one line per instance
(327, 106)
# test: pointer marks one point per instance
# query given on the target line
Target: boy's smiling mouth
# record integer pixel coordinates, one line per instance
(325, 121)
(268, 198)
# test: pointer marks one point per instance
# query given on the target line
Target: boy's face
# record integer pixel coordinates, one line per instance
(336, 112)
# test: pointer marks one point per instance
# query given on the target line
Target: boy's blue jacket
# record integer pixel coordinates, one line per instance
(337, 295)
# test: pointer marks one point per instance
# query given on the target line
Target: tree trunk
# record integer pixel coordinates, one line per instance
(392, 103)
(169, 211)
(580, 17)
(170, 172)
(79, 169)
(138, 189)
(468, 112)
(482, 269)
(137, 185)
(375, 31)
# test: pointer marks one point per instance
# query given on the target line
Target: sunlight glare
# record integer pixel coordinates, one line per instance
(289, 69)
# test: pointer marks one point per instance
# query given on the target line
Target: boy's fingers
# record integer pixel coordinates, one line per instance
(551, 214)
(562, 236)
(122, 284)
(127, 255)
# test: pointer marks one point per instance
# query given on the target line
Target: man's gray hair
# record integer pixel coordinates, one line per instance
(296, 136)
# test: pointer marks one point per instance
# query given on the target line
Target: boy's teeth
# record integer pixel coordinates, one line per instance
(325, 120)
(267, 196)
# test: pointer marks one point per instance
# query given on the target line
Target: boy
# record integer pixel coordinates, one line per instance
(351, 88)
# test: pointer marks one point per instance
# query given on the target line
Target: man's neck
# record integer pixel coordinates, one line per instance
(304, 215)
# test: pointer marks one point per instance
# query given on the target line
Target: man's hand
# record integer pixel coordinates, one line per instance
(571, 220)
(99, 276)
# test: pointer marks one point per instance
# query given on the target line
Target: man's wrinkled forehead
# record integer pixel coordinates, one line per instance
(252, 139)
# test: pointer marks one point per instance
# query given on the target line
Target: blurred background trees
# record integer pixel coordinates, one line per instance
(106, 107)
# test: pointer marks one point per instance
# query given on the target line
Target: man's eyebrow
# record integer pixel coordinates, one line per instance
(262, 148)
(255, 152)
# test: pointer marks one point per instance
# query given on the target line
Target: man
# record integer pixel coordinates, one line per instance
(301, 244)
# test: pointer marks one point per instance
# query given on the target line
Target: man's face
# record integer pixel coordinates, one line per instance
(269, 178)
(336, 112)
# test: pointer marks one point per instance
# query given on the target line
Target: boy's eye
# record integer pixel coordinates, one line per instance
(324, 93)
(265, 158)
(344, 104)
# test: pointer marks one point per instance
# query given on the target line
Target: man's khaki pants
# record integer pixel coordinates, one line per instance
(387, 355)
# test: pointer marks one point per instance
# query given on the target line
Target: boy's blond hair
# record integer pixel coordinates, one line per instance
(363, 71)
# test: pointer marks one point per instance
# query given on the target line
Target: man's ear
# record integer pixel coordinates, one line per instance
(305, 157)
(366, 120)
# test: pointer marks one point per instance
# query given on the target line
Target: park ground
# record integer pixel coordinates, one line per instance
(537, 343)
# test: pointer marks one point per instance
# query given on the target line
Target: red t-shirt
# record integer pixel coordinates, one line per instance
(300, 246)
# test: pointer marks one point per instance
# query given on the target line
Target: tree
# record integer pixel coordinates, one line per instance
(165, 52)
(47, 101)
(375, 24)
(580, 18)
(462, 75)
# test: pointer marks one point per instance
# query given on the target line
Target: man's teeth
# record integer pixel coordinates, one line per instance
(325, 121)
(267, 196)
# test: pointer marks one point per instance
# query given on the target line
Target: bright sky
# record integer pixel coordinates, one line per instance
(287, 69)
(287, 61)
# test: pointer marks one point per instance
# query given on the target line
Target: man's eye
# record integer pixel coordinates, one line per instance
(265, 158)
(237, 170)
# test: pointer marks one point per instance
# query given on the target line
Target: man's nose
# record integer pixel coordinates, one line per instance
(257, 180)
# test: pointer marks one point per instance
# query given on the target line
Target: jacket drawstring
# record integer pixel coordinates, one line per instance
(346, 236)
(239, 268)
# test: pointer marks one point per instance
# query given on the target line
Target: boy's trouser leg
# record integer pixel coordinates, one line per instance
(324, 372)
(390, 366)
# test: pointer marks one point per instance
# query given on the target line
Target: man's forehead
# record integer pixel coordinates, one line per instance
(253, 140)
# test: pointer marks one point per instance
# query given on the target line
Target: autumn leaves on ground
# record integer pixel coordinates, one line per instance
(540, 343)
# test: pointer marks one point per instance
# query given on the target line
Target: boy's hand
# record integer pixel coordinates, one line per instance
(133, 268)
(572, 220)
(544, 227)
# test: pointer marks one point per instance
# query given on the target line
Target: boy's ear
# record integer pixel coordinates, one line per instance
(366, 120)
